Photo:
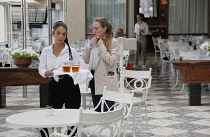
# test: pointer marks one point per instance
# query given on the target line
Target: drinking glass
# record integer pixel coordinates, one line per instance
(66, 66)
(75, 66)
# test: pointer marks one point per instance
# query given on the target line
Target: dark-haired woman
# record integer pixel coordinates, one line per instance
(101, 54)
(52, 57)
(63, 92)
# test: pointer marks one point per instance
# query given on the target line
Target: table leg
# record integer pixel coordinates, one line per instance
(2, 96)
(194, 94)
(24, 91)
(83, 101)
(45, 132)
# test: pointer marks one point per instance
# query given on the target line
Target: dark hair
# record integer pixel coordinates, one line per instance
(62, 24)
(142, 16)
(59, 24)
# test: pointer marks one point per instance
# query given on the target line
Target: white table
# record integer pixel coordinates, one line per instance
(38, 119)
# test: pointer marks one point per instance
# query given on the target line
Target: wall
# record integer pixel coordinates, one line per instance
(130, 18)
(2, 26)
(76, 20)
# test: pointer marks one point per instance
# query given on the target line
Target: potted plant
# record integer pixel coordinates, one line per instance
(22, 57)
(49, 110)
(206, 46)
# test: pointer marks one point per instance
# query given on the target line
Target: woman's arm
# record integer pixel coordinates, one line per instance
(43, 65)
(110, 58)
(88, 48)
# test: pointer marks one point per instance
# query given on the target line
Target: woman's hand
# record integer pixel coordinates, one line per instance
(49, 72)
(93, 41)
(100, 42)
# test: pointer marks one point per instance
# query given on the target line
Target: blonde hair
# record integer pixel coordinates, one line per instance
(109, 32)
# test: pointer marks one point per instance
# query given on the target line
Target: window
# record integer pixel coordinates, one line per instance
(188, 16)
(148, 8)
(113, 10)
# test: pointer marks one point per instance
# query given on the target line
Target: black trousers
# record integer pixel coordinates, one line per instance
(96, 98)
(64, 92)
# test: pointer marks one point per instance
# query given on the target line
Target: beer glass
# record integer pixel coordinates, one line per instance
(66, 66)
(75, 66)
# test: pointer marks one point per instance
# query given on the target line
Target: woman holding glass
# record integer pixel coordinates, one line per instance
(52, 57)
(63, 92)
(101, 55)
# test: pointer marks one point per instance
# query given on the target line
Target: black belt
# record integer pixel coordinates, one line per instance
(61, 77)
(92, 72)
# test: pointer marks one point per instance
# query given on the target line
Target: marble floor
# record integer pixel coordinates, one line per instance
(169, 113)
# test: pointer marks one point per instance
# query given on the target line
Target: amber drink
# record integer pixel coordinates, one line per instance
(66, 68)
(75, 68)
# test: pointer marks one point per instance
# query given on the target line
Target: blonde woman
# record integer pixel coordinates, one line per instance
(101, 55)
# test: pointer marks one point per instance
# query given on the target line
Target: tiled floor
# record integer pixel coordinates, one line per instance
(169, 114)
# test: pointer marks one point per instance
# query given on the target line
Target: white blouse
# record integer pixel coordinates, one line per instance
(49, 61)
(87, 46)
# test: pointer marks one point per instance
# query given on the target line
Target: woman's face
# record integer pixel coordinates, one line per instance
(60, 35)
(98, 30)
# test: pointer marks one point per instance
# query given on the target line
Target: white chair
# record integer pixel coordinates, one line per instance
(120, 59)
(95, 124)
(130, 44)
(119, 98)
(164, 55)
(123, 62)
(137, 82)
(126, 54)
(157, 50)
(5, 60)
(126, 44)
(85, 92)
(120, 40)
(172, 46)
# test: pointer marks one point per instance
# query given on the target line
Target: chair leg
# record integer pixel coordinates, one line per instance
(134, 112)
(162, 69)
(172, 72)
(177, 79)
(183, 86)
(147, 119)
(160, 60)
(172, 76)
(155, 58)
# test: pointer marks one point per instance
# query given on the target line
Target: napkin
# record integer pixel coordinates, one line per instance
(81, 77)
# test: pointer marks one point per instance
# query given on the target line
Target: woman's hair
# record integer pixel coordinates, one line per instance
(59, 24)
(109, 32)
(62, 24)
